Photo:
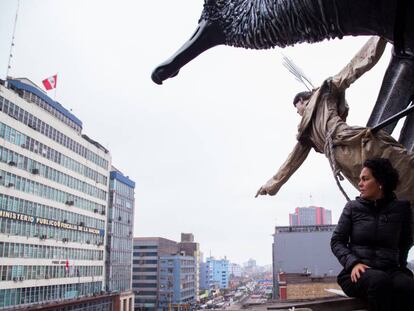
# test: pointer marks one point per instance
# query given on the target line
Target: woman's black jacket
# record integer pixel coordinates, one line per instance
(375, 233)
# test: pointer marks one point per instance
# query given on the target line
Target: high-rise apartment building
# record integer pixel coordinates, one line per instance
(53, 201)
(177, 282)
(120, 230)
(309, 216)
(191, 248)
(145, 269)
(164, 275)
(217, 273)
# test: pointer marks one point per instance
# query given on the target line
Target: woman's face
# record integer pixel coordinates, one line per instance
(369, 187)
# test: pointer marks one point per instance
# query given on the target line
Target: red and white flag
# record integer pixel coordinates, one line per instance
(67, 265)
(50, 83)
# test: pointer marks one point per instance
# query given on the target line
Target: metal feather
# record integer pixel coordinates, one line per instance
(297, 72)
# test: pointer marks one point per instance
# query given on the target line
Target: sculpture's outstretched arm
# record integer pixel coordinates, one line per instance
(206, 36)
(366, 58)
(292, 163)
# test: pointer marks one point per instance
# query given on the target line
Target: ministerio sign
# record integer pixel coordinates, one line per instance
(49, 222)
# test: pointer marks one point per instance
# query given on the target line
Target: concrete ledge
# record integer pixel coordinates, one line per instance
(337, 304)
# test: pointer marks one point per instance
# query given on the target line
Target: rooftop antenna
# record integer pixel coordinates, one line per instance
(12, 41)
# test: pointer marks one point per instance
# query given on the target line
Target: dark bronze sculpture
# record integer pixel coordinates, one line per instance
(264, 24)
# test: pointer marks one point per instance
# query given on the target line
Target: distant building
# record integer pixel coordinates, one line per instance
(162, 274)
(203, 276)
(251, 263)
(191, 248)
(217, 273)
(120, 227)
(235, 270)
(304, 249)
(309, 216)
(250, 267)
(177, 282)
(145, 269)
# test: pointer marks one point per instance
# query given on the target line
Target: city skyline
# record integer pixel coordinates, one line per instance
(201, 145)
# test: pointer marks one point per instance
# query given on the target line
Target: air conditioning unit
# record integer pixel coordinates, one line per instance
(103, 212)
(21, 278)
(35, 171)
(119, 218)
(69, 202)
(65, 221)
(88, 242)
(11, 163)
(9, 185)
(81, 223)
(15, 278)
(95, 210)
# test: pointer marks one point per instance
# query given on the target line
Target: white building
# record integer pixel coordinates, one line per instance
(53, 201)
(235, 270)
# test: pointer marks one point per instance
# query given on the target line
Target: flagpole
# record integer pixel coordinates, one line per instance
(54, 97)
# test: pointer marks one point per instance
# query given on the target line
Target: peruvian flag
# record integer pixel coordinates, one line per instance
(50, 83)
(67, 266)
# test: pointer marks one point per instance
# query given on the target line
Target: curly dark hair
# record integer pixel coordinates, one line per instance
(385, 174)
(302, 95)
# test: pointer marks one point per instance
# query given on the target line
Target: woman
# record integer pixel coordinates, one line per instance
(323, 128)
(372, 240)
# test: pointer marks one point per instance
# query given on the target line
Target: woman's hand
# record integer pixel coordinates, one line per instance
(357, 270)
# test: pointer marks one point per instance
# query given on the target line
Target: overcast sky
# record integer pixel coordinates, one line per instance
(199, 146)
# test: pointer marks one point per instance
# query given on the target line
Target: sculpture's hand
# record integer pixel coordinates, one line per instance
(261, 191)
(268, 188)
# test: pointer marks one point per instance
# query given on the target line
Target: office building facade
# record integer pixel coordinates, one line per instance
(310, 216)
(120, 228)
(303, 249)
(217, 273)
(120, 233)
(191, 248)
(203, 283)
(145, 269)
(177, 282)
(53, 201)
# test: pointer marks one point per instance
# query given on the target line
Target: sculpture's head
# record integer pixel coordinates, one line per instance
(208, 34)
(251, 24)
